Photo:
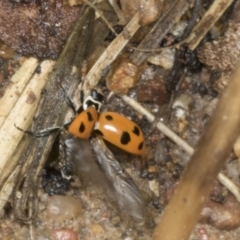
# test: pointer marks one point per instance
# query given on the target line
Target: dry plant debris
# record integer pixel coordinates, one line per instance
(123, 76)
(225, 48)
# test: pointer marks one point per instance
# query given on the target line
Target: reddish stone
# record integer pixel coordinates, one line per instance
(65, 234)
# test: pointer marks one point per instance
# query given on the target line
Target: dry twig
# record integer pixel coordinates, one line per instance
(19, 81)
(21, 114)
(215, 145)
(209, 19)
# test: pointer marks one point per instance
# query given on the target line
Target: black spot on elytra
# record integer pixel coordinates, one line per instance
(136, 130)
(109, 117)
(99, 132)
(125, 138)
(81, 96)
(90, 117)
(140, 146)
(81, 127)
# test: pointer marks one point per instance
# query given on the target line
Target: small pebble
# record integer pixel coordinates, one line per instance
(160, 154)
(164, 59)
(115, 220)
(61, 208)
(154, 187)
(153, 91)
(209, 109)
(64, 234)
(128, 238)
(148, 10)
(152, 169)
(96, 229)
(5, 51)
(123, 76)
(222, 216)
(156, 203)
(232, 169)
(181, 105)
(44, 197)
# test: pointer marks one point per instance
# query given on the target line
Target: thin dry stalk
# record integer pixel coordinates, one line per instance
(229, 185)
(18, 83)
(22, 112)
(101, 15)
(7, 189)
(209, 19)
(112, 51)
(10, 138)
(118, 12)
(215, 145)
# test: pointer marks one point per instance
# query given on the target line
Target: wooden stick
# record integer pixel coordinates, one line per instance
(7, 189)
(209, 19)
(183, 211)
(21, 114)
(18, 83)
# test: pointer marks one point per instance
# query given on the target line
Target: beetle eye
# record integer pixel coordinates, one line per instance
(96, 95)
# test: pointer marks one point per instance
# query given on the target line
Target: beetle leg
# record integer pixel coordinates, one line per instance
(69, 100)
(42, 133)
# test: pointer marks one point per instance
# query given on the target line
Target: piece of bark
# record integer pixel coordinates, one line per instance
(51, 113)
(18, 106)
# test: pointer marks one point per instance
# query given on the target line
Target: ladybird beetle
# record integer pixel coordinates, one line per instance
(113, 127)
(121, 132)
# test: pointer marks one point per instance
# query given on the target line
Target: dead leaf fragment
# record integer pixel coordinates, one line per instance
(222, 55)
(124, 75)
